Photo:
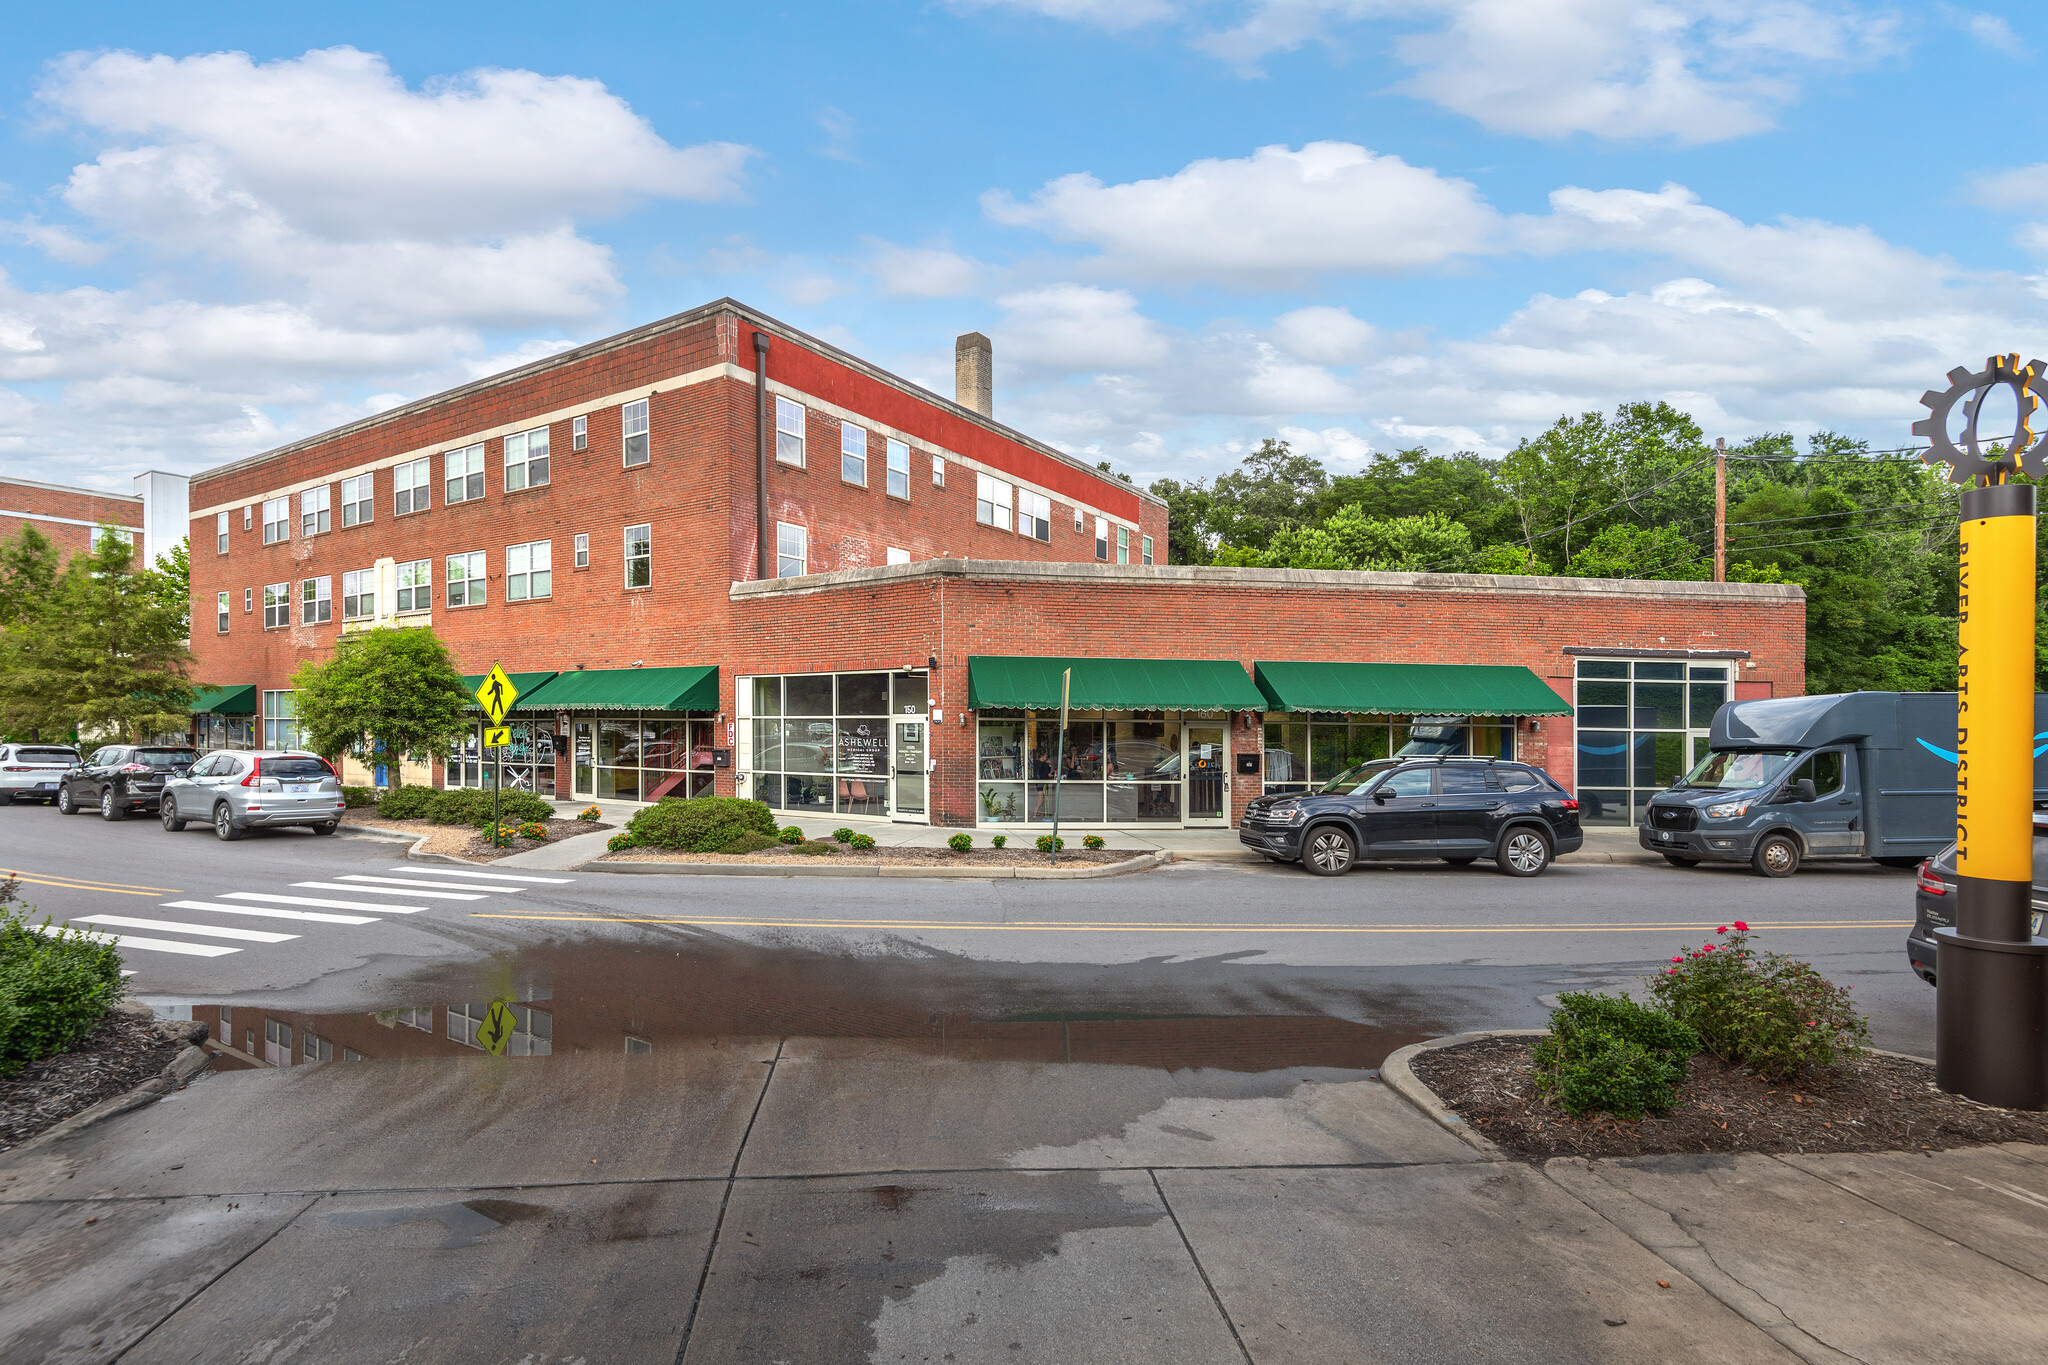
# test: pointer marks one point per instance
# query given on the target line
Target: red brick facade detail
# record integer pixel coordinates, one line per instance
(66, 516)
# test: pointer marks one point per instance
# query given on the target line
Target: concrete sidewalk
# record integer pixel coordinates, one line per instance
(874, 1200)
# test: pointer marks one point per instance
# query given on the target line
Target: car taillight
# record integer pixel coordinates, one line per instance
(1928, 882)
(12, 769)
(133, 768)
(255, 774)
(1570, 803)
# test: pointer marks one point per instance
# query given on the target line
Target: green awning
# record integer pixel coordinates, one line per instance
(1032, 683)
(691, 688)
(523, 682)
(236, 700)
(1408, 689)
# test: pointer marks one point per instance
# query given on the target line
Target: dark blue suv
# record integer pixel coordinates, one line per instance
(1456, 809)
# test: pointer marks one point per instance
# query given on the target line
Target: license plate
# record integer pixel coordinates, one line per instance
(299, 790)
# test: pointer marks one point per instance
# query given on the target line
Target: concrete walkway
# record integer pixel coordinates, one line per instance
(827, 1200)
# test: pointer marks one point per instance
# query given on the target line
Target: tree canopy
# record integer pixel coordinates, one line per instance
(389, 691)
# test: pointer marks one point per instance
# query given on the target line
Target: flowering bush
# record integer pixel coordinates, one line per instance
(960, 843)
(1607, 1054)
(791, 835)
(999, 840)
(863, 842)
(1048, 844)
(590, 813)
(843, 835)
(1093, 841)
(619, 841)
(1764, 1010)
(533, 829)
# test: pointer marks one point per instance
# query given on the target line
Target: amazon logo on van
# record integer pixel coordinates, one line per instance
(1951, 756)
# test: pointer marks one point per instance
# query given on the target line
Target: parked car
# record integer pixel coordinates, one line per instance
(1456, 809)
(30, 772)
(120, 778)
(235, 790)
(1934, 899)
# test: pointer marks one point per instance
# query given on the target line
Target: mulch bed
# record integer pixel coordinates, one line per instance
(1871, 1104)
(120, 1054)
(463, 841)
(887, 857)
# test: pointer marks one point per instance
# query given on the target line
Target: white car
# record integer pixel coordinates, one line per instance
(31, 772)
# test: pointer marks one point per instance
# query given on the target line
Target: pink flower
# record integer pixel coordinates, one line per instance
(1743, 927)
(1722, 930)
(1678, 959)
(1706, 947)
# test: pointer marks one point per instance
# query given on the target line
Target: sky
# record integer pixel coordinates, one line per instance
(1187, 225)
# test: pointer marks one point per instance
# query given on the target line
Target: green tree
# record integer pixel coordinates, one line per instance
(1273, 490)
(1624, 551)
(1187, 519)
(1349, 539)
(389, 691)
(1411, 483)
(28, 573)
(103, 655)
(169, 582)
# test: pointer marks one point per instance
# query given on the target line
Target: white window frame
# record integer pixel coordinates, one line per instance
(220, 533)
(1102, 539)
(1123, 544)
(530, 571)
(1145, 543)
(248, 600)
(359, 594)
(897, 453)
(316, 600)
(896, 556)
(221, 613)
(472, 589)
(415, 580)
(248, 513)
(1034, 515)
(280, 719)
(1080, 523)
(633, 439)
(277, 520)
(316, 510)
(277, 606)
(579, 433)
(358, 499)
(993, 501)
(412, 487)
(789, 431)
(792, 548)
(639, 545)
(462, 472)
(853, 455)
(938, 471)
(526, 460)
(580, 550)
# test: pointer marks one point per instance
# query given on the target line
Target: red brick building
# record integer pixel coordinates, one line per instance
(719, 555)
(67, 516)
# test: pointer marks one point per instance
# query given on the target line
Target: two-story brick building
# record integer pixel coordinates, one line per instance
(719, 555)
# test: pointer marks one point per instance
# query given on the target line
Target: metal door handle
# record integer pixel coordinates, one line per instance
(1493, 805)
(1846, 801)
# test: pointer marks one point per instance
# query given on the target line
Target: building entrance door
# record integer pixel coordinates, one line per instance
(908, 740)
(1204, 765)
(582, 761)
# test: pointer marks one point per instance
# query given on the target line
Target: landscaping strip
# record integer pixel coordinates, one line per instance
(789, 867)
(60, 1095)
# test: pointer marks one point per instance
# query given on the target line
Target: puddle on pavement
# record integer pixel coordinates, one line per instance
(571, 1000)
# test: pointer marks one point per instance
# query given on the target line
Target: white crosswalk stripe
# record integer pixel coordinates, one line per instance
(151, 945)
(203, 930)
(381, 891)
(485, 876)
(270, 912)
(268, 899)
(401, 881)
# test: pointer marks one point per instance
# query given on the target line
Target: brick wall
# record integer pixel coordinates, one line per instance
(66, 516)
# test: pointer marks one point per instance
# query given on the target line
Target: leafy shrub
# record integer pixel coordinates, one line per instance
(358, 797)
(533, 829)
(590, 813)
(999, 840)
(817, 847)
(407, 803)
(863, 842)
(471, 806)
(1048, 844)
(843, 835)
(619, 841)
(960, 843)
(1608, 1054)
(498, 836)
(1092, 841)
(790, 834)
(1767, 1011)
(53, 989)
(750, 842)
(704, 825)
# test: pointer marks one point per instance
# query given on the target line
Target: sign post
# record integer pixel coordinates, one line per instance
(1059, 762)
(1991, 972)
(496, 695)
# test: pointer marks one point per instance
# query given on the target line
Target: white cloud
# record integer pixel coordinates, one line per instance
(1278, 216)
(1113, 16)
(1066, 329)
(1324, 335)
(2022, 187)
(921, 272)
(1990, 30)
(59, 244)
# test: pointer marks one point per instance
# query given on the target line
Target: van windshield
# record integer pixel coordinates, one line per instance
(1356, 777)
(1725, 771)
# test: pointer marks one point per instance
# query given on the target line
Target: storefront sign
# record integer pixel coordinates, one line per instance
(862, 748)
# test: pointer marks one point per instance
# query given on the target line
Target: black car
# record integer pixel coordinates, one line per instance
(1934, 899)
(1456, 809)
(120, 778)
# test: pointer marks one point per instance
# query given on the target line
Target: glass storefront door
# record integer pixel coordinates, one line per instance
(907, 751)
(1205, 769)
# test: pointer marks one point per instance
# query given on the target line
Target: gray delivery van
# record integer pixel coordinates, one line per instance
(1790, 779)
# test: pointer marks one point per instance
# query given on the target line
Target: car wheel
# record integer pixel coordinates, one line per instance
(1676, 861)
(326, 828)
(6, 798)
(224, 824)
(1461, 862)
(110, 809)
(1777, 855)
(64, 801)
(1329, 851)
(168, 809)
(1523, 853)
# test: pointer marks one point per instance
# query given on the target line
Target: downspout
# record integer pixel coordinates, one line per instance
(762, 561)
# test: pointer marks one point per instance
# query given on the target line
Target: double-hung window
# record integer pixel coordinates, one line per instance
(789, 432)
(277, 520)
(246, 513)
(792, 545)
(220, 533)
(853, 454)
(466, 580)
(1080, 523)
(579, 433)
(355, 499)
(281, 731)
(1101, 538)
(1146, 545)
(1034, 515)
(992, 502)
(248, 600)
(415, 488)
(529, 570)
(526, 459)
(277, 605)
(1123, 544)
(633, 426)
(358, 594)
(416, 586)
(899, 470)
(220, 606)
(582, 549)
(316, 600)
(314, 511)
(639, 556)
(938, 471)
(463, 471)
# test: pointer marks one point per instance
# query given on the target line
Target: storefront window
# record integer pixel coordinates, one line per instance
(821, 743)
(213, 731)
(1115, 771)
(528, 762)
(280, 720)
(1641, 723)
(1303, 749)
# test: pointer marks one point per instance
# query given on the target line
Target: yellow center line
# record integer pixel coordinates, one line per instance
(58, 879)
(1158, 928)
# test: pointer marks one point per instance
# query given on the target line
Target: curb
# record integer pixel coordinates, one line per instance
(177, 1073)
(1142, 863)
(418, 854)
(1396, 1073)
(371, 832)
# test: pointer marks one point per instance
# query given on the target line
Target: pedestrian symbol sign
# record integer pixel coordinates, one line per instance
(497, 736)
(496, 1029)
(497, 695)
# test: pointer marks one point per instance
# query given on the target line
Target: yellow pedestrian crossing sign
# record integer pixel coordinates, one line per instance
(497, 694)
(497, 736)
(496, 1029)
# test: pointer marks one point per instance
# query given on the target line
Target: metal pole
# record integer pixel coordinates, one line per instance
(497, 786)
(1720, 509)
(1059, 762)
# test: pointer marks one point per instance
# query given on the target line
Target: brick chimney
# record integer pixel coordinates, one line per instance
(974, 374)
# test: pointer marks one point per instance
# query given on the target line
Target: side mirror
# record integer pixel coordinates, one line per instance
(1802, 790)
(1379, 797)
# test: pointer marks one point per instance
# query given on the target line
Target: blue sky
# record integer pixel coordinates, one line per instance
(1187, 224)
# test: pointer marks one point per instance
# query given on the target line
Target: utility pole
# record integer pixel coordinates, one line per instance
(1720, 509)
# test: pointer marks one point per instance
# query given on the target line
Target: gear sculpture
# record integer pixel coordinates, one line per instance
(1968, 461)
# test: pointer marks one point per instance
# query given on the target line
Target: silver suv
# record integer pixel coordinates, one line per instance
(236, 789)
(31, 772)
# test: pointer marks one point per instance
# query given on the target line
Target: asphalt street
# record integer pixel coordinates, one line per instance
(291, 920)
